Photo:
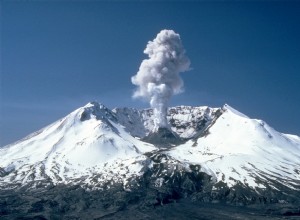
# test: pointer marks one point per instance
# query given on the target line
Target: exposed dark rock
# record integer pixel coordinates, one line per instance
(163, 137)
(2, 172)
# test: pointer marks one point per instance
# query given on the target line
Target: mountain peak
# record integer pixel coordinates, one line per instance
(95, 105)
(95, 110)
(99, 148)
(228, 108)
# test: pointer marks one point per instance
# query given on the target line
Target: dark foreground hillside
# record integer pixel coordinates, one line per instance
(76, 203)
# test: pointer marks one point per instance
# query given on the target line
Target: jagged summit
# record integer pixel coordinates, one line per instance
(95, 109)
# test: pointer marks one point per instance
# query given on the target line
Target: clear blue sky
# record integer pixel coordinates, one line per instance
(57, 56)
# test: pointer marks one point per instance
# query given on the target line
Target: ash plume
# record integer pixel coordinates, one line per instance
(158, 77)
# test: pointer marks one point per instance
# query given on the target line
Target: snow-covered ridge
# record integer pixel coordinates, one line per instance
(94, 141)
(240, 149)
(80, 143)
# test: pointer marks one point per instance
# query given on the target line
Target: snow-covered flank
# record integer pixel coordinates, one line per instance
(237, 148)
(79, 144)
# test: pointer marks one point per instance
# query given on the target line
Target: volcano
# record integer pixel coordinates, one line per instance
(102, 162)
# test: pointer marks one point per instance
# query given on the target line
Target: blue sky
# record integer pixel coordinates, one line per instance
(58, 55)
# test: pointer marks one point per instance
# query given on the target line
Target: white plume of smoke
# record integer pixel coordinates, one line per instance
(158, 76)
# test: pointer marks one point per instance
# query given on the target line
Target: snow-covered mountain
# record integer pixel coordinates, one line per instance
(236, 149)
(81, 144)
(219, 154)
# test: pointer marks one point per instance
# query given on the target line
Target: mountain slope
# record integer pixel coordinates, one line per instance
(79, 144)
(214, 155)
(239, 149)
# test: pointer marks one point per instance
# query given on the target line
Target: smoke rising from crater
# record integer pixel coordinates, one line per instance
(158, 77)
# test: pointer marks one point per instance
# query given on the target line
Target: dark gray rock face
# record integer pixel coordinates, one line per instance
(163, 137)
(2, 172)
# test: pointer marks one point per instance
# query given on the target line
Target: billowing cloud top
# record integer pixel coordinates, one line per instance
(158, 76)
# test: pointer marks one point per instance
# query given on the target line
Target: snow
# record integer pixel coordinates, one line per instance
(71, 147)
(141, 123)
(238, 148)
(95, 140)
(236, 112)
